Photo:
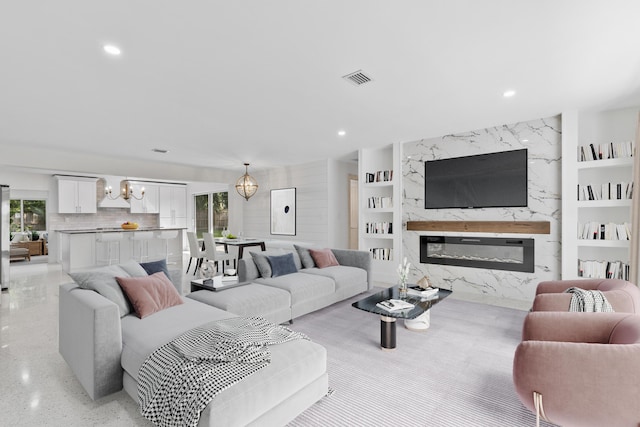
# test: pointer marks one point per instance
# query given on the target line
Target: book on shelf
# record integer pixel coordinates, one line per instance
(384, 227)
(603, 269)
(609, 150)
(606, 191)
(379, 176)
(376, 202)
(383, 254)
(393, 305)
(422, 292)
(594, 230)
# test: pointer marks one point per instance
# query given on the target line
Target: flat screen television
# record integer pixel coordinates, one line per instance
(489, 180)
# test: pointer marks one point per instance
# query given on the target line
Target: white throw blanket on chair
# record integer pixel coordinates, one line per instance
(588, 301)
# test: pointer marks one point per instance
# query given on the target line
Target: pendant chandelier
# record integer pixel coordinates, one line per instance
(246, 185)
(126, 191)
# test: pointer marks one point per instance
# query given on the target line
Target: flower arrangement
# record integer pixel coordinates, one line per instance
(403, 272)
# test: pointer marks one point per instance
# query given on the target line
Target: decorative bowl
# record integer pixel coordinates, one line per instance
(129, 226)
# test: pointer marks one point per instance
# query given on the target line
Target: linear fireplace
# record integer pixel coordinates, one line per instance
(479, 252)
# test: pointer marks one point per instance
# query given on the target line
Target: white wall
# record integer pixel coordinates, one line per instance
(321, 199)
(338, 201)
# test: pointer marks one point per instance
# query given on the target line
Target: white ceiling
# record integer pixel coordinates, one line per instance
(219, 83)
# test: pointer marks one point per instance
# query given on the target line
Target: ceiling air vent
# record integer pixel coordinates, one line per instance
(357, 78)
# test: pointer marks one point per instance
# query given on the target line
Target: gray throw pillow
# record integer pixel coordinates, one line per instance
(133, 268)
(305, 257)
(262, 263)
(282, 264)
(103, 281)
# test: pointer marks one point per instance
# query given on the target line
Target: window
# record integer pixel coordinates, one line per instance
(211, 213)
(28, 215)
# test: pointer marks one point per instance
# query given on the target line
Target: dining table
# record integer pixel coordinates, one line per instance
(240, 244)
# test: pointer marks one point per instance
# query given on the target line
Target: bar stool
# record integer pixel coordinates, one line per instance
(140, 244)
(166, 235)
(108, 244)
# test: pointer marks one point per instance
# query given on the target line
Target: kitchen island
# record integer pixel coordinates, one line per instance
(88, 248)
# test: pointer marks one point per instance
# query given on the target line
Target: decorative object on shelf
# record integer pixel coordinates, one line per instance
(403, 275)
(129, 225)
(283, 211)
(246, 185)
(126, 191)
(207, 270)
(424, 283)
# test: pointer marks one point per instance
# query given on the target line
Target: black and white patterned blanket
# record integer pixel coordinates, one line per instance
(588, 301)
(179, 379)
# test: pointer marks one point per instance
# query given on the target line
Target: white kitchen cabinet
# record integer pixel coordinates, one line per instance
(173, 206)
(76, 194)
(150, 203)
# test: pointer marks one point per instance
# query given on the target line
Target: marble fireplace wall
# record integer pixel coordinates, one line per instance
(542, 138)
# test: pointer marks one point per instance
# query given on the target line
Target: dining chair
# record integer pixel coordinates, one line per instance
(194, 251)
(212, 254)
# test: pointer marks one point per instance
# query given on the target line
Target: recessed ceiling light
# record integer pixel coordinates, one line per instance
(342, 133)
(112, 49)
(525, 140)
(509, 93)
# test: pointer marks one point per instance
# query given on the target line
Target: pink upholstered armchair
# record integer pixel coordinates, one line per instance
(584, 368)
(622, 295)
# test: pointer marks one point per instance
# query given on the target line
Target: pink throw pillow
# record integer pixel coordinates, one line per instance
(150, 294)
(323, 257)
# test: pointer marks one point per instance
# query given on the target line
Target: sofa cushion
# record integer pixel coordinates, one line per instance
(293, 364)
(343, 275)
(156, 266)
(626, 332)
(305, 256)
(250, 300)
(301, 286)
(140, 337)
(282, 264)
(103, 281)
(323, 257)
(150, 294)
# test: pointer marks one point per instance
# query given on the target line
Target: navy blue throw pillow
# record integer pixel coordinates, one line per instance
(282, 264)
(156, 266)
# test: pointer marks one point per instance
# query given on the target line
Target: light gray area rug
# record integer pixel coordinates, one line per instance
(458, 373)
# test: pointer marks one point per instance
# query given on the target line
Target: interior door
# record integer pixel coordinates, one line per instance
(353, 212)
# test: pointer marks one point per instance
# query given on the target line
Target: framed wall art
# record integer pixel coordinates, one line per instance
(283, 211)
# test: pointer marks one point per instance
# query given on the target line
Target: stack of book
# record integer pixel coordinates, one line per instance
(417, 291)
(610, 231)
(393, 305)
(610, 150)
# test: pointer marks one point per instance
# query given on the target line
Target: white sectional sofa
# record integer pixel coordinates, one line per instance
(105, 349)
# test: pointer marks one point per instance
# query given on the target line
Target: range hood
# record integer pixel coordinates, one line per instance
(114, 183)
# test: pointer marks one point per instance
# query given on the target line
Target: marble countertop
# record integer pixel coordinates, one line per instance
(117, 230)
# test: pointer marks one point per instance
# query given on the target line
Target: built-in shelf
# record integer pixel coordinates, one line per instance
(606, 163)
(379, 210)
(378, 236)
(521, 227)
(604, 203)
(604, 243)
